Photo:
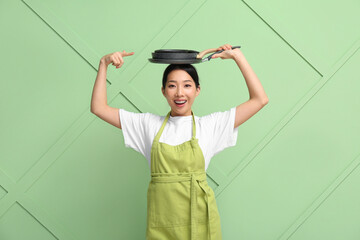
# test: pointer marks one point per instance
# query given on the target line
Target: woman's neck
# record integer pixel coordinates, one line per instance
(172, 115)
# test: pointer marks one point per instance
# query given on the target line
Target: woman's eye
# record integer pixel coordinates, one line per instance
(188, 85)
(171, 85)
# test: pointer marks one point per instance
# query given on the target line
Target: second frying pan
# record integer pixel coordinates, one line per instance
(181, 56)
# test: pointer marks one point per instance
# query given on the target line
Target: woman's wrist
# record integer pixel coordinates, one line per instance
(102, 62)
(237, 55)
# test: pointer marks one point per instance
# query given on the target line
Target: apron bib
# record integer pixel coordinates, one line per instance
(180, 203)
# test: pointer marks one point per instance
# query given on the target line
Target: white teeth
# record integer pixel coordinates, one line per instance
(180, 102)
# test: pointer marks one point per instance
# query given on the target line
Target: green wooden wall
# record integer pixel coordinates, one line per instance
(66, 174)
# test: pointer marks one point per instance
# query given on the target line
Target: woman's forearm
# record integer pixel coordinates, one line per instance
(99, 98)
(256, 90)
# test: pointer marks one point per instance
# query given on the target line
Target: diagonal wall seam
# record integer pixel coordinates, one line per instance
(85, 119)
(338, 180)
(267, 139)
(321, 198)
(279, 35)
(81, 119)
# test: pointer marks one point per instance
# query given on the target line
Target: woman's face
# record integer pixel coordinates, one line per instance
(180, 87)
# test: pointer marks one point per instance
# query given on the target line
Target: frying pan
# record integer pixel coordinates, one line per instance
(182, 56)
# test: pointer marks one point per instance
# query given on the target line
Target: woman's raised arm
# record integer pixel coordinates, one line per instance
(99, 105)
(258, 98)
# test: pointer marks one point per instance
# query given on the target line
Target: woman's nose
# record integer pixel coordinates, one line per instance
(179, 91)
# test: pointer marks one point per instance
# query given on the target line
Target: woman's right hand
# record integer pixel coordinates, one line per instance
(115, 58)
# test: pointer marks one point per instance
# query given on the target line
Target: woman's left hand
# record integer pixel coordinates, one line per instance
(227, 53)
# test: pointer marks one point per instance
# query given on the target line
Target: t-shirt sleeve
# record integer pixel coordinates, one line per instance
(134, 128)
(224, 134)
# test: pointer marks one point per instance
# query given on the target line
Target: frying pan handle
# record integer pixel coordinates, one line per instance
(203, 53)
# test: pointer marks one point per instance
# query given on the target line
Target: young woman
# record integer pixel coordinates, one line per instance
(179, 146)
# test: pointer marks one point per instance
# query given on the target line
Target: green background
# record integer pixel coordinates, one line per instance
(66, 174)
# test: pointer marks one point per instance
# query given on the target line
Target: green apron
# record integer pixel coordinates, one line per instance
(180, 203)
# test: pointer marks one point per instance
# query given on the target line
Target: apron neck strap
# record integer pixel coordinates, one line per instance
(157, 137)
(194, 126)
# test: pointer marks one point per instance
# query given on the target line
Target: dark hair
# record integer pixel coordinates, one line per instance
(190, 69)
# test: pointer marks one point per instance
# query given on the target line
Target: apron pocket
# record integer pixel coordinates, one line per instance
(170, 204)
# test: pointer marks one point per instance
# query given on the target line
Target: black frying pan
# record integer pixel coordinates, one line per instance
(180, 56)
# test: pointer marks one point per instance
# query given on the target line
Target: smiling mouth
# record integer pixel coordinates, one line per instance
(180, 103)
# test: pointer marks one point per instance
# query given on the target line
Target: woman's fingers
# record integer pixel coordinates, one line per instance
(125, 54)
(225, 47)
(121, 63)
(224, 54)
(115, 60)
(118, 60)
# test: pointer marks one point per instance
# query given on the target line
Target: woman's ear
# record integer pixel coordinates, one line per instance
(198, 90)
(162, 90)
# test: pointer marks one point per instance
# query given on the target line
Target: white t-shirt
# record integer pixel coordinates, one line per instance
(215, 131)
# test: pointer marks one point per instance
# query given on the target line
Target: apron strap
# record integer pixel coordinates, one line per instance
(194, 126)
(157, 137)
